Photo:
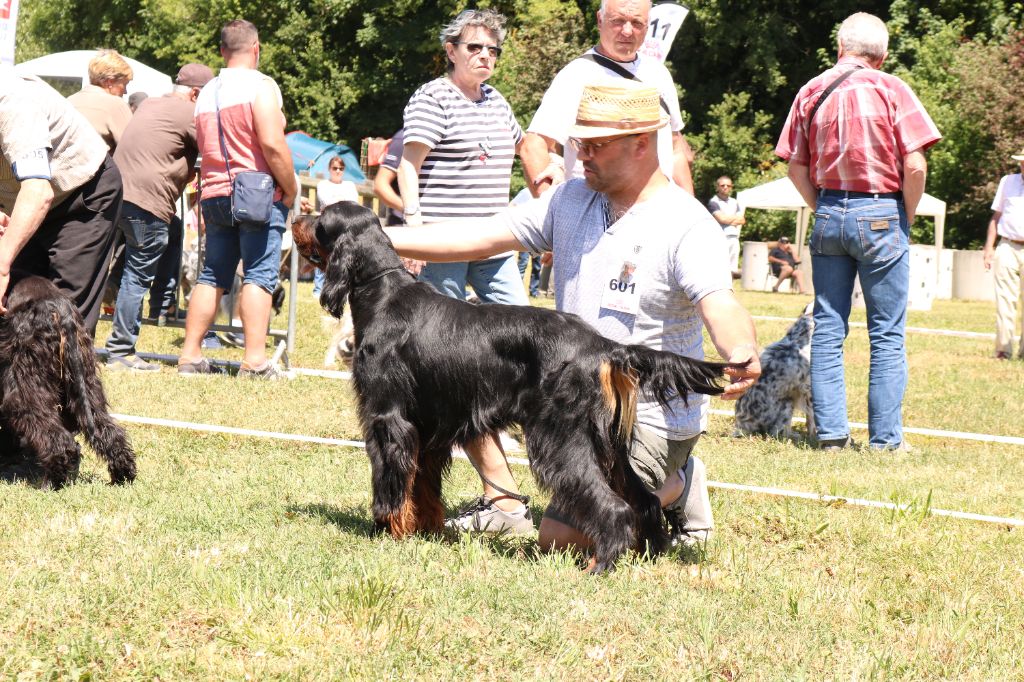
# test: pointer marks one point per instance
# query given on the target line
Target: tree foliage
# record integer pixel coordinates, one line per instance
(347, 67)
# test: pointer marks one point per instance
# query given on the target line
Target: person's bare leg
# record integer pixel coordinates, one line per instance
(798, 277)
(202, 311)
(555, 536)
(489, 459)
(254, 309)
(784, 273)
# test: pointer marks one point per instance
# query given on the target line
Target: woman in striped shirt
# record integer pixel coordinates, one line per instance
(460, 140)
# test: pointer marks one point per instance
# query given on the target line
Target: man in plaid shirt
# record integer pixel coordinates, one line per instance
(855, 141)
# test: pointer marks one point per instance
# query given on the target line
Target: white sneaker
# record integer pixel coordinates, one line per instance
(482, 516)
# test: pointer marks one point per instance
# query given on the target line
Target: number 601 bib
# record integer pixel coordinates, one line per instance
(622, 289)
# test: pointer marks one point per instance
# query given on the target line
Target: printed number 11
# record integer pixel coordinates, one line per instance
(654, 29)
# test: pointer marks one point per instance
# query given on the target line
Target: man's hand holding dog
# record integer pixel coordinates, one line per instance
(744, 377)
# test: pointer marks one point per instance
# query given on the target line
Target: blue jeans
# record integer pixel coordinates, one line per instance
(258, 245)
(869, 238)
(146, 238)
(533, 260)
(163, 292)
(496, 280)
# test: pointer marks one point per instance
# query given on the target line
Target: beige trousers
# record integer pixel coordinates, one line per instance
(1009, 275)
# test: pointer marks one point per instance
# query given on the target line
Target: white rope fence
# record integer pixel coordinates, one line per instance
(935, 433)
(777, 492)
(918, 330)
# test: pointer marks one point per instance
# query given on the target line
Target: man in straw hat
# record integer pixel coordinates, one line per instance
(855, 142)
(1008, 223)
(625, 223)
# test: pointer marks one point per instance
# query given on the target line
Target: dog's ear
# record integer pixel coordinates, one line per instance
(337, 277)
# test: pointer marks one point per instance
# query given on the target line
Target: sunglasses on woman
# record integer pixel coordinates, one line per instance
(475, 48)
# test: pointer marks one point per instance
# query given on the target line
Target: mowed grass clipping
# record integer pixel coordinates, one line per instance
(248, 558)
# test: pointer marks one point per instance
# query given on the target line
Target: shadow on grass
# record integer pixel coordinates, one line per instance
(353, 520)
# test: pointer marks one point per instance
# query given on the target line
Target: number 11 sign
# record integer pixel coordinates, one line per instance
(665, 20)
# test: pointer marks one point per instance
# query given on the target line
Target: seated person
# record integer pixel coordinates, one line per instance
(783, 265)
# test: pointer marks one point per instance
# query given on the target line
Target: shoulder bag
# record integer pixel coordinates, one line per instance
(252, 192)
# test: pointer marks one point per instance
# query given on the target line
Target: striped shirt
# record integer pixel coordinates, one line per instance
(236, 94)
(678, 253)
(468, 170)
(860, 134)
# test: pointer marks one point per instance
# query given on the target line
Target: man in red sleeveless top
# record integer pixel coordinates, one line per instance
(238, 114)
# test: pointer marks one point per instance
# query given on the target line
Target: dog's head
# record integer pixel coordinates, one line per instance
(328, 242)
(801, 330)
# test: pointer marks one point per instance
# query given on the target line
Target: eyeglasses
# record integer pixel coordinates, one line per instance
(588, 147)
(725, 186)
(338, 168)
(475, 48)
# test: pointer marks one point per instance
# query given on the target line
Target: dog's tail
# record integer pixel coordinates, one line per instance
(662, 375)
(84, 393)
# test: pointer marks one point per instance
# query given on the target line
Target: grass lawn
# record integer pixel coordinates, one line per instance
(245, 558)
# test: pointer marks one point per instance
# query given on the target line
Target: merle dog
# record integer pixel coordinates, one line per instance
(431, 372)
(785, 384)
(49, 389)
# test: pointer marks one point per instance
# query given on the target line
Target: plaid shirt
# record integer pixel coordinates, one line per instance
(861, 133)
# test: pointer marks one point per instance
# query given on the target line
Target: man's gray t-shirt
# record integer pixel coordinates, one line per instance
(672, 249)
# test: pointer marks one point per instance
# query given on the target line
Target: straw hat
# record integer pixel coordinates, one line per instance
(1019, 156)
(622, 108)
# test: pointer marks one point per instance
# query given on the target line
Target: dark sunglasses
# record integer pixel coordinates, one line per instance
(588, 147)
(337, 168)
(475, 48)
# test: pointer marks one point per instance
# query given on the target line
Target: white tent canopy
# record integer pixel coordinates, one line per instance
(73, 67)
(782, 195)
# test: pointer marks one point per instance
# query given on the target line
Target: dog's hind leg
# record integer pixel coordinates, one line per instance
(392, 444)
(426, 491)
(90, 413)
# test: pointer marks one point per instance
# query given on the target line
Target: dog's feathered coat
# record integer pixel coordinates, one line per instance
(785, 384)
(49, 389)
(431, 372)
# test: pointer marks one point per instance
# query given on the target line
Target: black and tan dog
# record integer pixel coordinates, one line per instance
(49, 389)
(431, 372)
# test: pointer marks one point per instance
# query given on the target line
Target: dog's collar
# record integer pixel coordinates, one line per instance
(380, 274)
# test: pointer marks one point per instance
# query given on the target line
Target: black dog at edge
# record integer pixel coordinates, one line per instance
(49, 389)
(431, 372)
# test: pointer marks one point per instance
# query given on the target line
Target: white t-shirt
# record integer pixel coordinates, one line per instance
(328, 193)
(729, 205)
(557, 111)
(1010, 200)
(672, 249)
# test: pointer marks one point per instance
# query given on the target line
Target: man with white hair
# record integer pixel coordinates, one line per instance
(855, 141)
(623, 27)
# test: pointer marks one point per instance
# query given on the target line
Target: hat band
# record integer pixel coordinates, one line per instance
(621, 125)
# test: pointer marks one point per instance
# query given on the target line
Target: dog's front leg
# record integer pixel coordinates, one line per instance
(392, 445)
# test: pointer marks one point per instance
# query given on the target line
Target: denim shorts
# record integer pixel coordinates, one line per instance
(257, 245)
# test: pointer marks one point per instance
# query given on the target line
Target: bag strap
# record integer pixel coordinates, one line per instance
(613, 65)
(220, 130)
(828, 91)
